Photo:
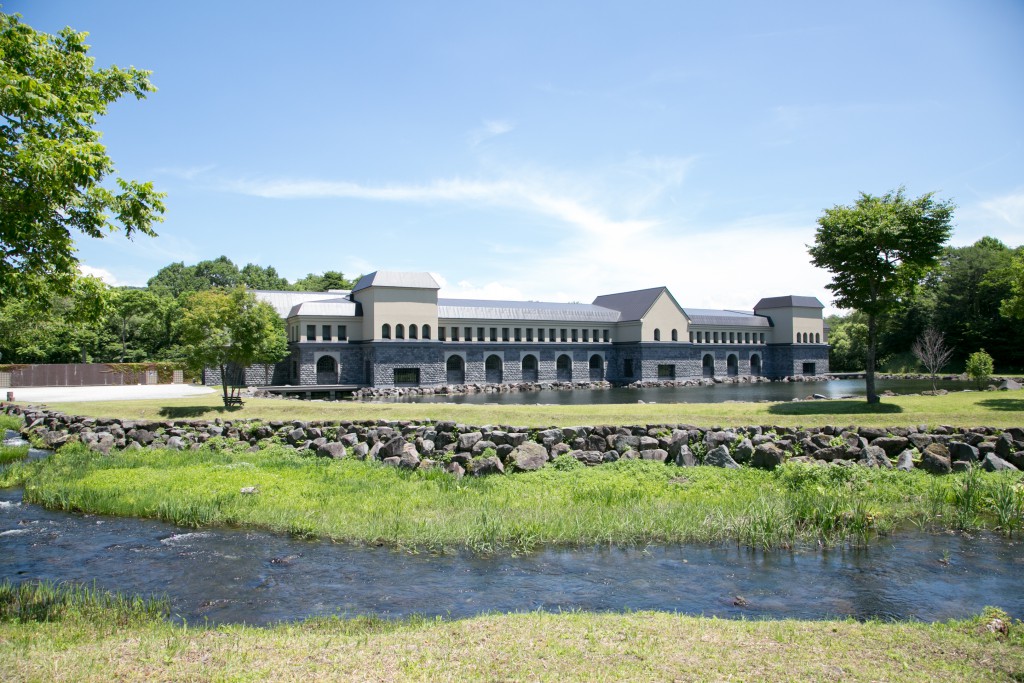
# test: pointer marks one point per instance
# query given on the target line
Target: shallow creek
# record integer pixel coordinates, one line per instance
(233, 575)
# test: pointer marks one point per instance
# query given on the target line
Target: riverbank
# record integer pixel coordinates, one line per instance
(997, 409)
(91, 638)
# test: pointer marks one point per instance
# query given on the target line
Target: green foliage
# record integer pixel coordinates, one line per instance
(980, 367)
(848, 339)
(877, 251)
(1013, 305)
(565, 463)
(56, 173)
(332, 279)
(46, 602)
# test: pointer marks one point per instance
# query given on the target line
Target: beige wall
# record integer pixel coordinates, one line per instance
(792, 321)
(353, 327)
(397, 306)
(523, 326)
(665, 316)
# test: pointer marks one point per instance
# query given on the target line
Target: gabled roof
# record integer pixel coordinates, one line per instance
(633, 305)
(789, 302)
(708, 316)
(283, 302)
(394, 278)
(523, 310)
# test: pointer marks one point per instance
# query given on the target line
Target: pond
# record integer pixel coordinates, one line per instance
(717, 393)
(235, 575)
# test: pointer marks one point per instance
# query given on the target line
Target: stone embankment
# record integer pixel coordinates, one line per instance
(462, 449)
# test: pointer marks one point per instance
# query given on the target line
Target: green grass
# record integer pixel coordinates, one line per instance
(12, 422)
(628, 502)
(9, 454)
(94, 638)
(957, 409)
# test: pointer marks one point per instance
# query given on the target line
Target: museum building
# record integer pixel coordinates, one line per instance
(392, 330)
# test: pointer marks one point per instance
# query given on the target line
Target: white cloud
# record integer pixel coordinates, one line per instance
(490, 129)
(185, 172)
(1001, 217)
(464, 289)
(99, 273)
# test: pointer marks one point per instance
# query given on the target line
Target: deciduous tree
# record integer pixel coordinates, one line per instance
(931, 350)
(877, 250)
(53, 169)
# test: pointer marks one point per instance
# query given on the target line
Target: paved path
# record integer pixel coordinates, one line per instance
(129, 392)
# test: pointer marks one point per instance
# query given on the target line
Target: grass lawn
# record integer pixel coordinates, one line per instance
(89, 638)
(1003, 409)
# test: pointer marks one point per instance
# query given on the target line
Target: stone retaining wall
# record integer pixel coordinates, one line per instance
(479, 450)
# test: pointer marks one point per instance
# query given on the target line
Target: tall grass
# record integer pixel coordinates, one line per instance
(47, 601)
(11, 422)
(9, 454)
(628, 502)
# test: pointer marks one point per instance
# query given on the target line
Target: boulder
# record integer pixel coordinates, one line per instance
(479, 467)
(719, 457)
(1009, 385)
(455, 469)
(409, 459)
(332, 450)
(905, 461)
(176, 443)
(529, 456)
(656, 454)
(296, 436)
(962, 451)
(392, 461)
(54, 440)
(993, 463)
(481, 446)
(626, 442)
(393, 448)
(767, 456)
(743, 451)
(874, 456)
(892, 445)
(1005, 445)
(935, 459)
(143, 437)
(360, 450)
(468, 440)
(591, 458)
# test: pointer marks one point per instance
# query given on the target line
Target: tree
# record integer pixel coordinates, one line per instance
(332, 279)
(877, 250)
(52, 165)
(224, 328)
(129, 310)
(1013, 305)
(847, 339)
(931, 350)
(257, 277)
(980, 367)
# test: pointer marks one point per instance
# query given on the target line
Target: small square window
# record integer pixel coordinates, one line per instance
(310, 332)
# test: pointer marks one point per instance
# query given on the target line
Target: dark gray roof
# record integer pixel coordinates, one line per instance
(523, 310)
(392, 278)
(331, 307)
(709, 316)
(788, 302)
(631, 305)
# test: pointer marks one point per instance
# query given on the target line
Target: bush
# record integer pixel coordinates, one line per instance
(979, 367)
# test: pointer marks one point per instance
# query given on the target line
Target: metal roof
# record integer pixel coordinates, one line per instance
(709, 316)
(334, 308)
(394, 278)
(523, 310)
(788, 302)
(283, 302)
(631, 305)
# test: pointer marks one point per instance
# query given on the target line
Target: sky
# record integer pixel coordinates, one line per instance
(552, 151)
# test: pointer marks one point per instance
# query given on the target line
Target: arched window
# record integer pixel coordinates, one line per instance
(326, 364)
(732, 365)
(596, 368)
(326, 370)
(385, 331)
(817, 337)
(426, 331)
(492, 367)
(456, 368)
(657, 334)
(755, 364)
(414, 331)
(399, 331)
(675, 335)
(563, 368)
(708, 365)
(529, 368)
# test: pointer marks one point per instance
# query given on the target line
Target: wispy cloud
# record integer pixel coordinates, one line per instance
(185, 172)
(490, 129)
(1001, 217)
(99, 273)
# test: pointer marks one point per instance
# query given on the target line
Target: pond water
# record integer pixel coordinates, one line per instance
(717, 393)
(234, 575)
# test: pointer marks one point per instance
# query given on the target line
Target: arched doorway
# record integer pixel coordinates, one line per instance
(708, 365)
(563, 368)
(326, 370)
(529, 368)
(596, 368)
(456, 368)
(755, 365)
(493, 369)
(732, 365)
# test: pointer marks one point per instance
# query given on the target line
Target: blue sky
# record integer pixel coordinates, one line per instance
(552, 151)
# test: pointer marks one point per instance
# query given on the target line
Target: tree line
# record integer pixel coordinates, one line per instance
(969, 299)
(91, 322)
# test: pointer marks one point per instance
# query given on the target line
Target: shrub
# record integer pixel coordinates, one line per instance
(980, 367)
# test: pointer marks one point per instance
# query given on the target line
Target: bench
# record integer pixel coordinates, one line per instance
(233, 401)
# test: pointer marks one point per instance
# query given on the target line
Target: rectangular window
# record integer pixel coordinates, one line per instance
(551, 337)
(504, 334)
(762, 337)
(310, 332)
(441, 332)
(519, 334)
(455, 334)
(666, 372)
(627, 367)
(575, 335)
(605, 335)
(407, 377)
(479, 334)
(468, 336)
(564, 334)
(586, 336)
(540, 334)
(494, 334)
(342, 332)
(716, 337)
(809, 369)
(529, 334)
(327, 332)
